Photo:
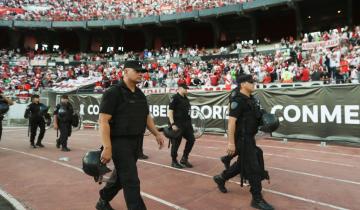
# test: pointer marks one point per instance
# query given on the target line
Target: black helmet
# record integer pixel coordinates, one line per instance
(170, 133)
(4, 107)
(92, 165)
(43, 108)
(269, 123)
(47, 119)
(75, 121)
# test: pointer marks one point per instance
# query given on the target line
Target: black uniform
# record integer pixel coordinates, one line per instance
(36, 119)
(235, 93)
(227, 158)
(250, 163)
(180, 106)
(129, 111)
(64, 113)
(2, 100)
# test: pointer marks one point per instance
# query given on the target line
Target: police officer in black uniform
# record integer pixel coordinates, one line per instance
(244, 120)
(63, 116)
(226, 160)
(179, 117)
(35, 113)
(124, 115)
(7, 101)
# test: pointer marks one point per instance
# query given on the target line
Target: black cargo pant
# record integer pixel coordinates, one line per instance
(125, 154)
(1, 127)
(65, 133)
(253, 165)
(188, 133)
(34, 124)
(141, 145)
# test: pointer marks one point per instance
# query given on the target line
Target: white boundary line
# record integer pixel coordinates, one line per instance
(267, 190)
(15, 203)
(290, 148)
(289, 171)
(275, 168)
(277, 147)
(312, 160)
(81, 171)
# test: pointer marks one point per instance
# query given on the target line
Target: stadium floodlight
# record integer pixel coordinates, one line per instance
(44, 47)
(56, 47)
(110, 49)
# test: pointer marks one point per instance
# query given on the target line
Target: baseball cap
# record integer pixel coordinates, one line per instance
(183, 85)
(245, 78)
(134, 64)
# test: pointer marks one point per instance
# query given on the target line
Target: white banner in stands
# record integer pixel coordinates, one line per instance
(321, 44)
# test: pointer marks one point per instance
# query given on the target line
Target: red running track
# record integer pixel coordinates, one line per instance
(303, 175)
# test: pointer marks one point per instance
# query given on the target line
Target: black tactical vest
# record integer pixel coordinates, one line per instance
(249, 121)
(65, 113)
(130, 115)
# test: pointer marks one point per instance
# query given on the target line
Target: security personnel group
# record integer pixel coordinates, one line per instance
(38, 117)
(124, 117)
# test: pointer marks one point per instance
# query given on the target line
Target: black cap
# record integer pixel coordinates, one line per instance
(134, 64)
(35, 96)
(183, 85)
(245, 78)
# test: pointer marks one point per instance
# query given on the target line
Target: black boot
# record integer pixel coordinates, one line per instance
(184, 161)
(103, 205)
(65, 149)
(226, 161)
(260, 203)
(32, 145)
(220, 183)
(175, 164)
(58, 143)
(39, 144)
(143, 157)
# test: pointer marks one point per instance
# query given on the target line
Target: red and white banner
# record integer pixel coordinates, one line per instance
(148, 91)
(6, 10)
(320, 44)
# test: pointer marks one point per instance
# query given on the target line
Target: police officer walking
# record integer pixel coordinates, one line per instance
(124, 115)
(4, 103)
(35, 113)
(179, 117)
(244, 120)
(63, 116)
(226, 159)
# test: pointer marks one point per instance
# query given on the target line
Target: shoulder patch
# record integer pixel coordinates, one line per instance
(233, 94)
(234, 105)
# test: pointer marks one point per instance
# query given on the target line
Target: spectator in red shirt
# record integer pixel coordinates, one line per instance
(305, 75)
(267, 79)
(214, 80)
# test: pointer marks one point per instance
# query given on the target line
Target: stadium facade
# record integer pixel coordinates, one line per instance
(256, 20)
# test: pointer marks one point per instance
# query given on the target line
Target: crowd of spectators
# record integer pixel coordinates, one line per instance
(169, 67)
(79, 10)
